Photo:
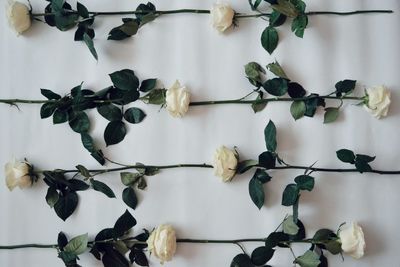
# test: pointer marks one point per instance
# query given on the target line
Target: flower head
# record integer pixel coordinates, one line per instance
(222, 16)
(352, 239)
(19, 16)
(378, 101)
(18, 174)
(225, 163)
(162, 242)
(177, 100)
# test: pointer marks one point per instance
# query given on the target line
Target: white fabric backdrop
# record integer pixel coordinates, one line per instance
(185, 47)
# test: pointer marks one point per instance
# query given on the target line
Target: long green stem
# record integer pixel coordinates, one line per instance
(206, 11)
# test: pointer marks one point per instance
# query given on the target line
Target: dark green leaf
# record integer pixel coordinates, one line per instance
(50, 94)
(148, 85)
(331, 114)
(290, 195)
(257, 107)
(80, 122)
(98, 155)
(305, 182)
(89, 43)
(276, 86)
(256, 191)
(102, 187)
(47, 110)
(60, 116)
(345, 86)
(124, 224)
(275, 238)
(142, 184)
(297, 109)
(82, 10)
(269, 39)
(246, 165)
(333, 246)
(262, 176)
(276, 19)
(110, 112)
(77, 185)
(62, 240)
(365, 158)
(134, 115)
(66, 205)
(346, 155)
(295, 90)
(125, 80)
(242, 260)
(114, 133)
(262, 255)
(267, 160)
(140, 258)
(129, 197)
(270, 136)
(51, 196)
(323, 235)
(113, 258)
(87, 142)
(362, 166)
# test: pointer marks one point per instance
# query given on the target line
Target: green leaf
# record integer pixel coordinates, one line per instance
(129, 197)
(346, 155)
(290, 195)
(242, 260)
(62, 240)
(66, 205)
(102, 187)
(87, 142)
(262, 255)
(89, 43)
(289, 227)
(113, 258)
(365, 158)
(323, 235)
(68, 258)
(299, 24)
(82, 10)
(51, 196)
(331, 114)
(47, 110)
(345, 86)
(362, 166)
(155, 97)
(309, 259)
(142, 184)
(276, 69)
(148, 85)
(50, 94)
(270, 136)
(129, 178)
(134, 115)
(276, 86)
(276, 19)
(110, 112)
(297, 109)
(124, 224)
(334, 246)
(286, 7)
(305, 182)
(267, 160)
(125, 80)
(114, 133)
(269, 39)
(130, 28)
(254, 71)
(262, 176)
(80, 122)
(77, 185)
(275, 238)
(77, 245)
(257, 107)
(256, 192)
(60, 116)
(83, 171)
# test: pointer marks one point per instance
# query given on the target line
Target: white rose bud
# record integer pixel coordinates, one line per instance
(162, 242)
(222, 16)
(19, 16)
(225, 163)
(17, 174)
(378, 101)
(353, 242)
(177, 100)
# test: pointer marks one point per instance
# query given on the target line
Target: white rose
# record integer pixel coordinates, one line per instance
(162, 242)
(17, 174)
(353, 242)
(222, 16)
(177, 99)
(225, 163)
(19, 16)
(378, 101)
